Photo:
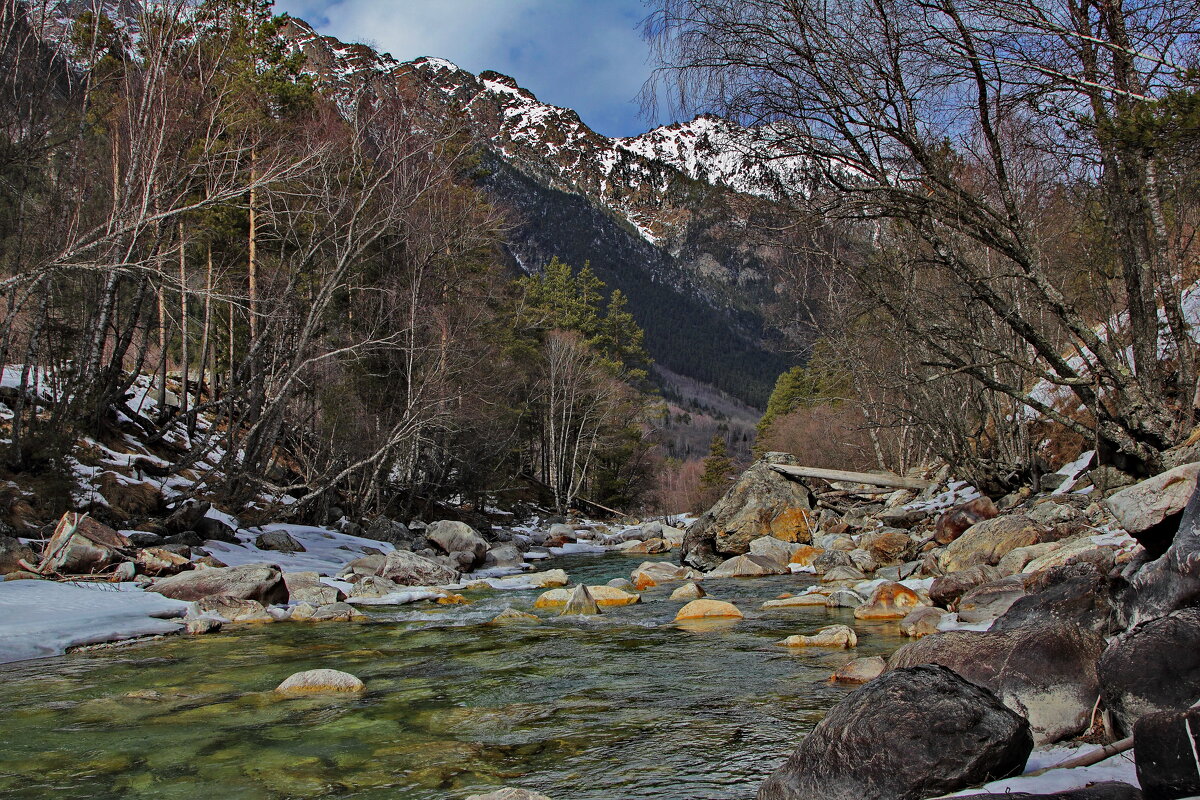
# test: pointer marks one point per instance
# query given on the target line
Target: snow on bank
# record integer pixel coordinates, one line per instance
(325, 551)
(43, 618)
(1121, 768)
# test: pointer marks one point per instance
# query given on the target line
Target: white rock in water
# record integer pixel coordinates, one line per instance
(316, 681)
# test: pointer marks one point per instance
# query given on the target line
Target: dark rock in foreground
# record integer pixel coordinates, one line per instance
(1154, 667)
(1045, 672)
(1166, 744)
(909, 734)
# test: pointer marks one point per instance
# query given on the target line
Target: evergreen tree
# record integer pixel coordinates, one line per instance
(718, 467)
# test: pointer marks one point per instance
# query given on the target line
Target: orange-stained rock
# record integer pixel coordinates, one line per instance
(888, 601)
(793, 525)
(451, 599)
(703, 609)
(603, 595)
(805, 554)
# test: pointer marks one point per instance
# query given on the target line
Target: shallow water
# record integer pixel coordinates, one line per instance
(624, 705)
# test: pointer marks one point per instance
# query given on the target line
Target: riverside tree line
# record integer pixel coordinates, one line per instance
(1004, 250)
(312, 268)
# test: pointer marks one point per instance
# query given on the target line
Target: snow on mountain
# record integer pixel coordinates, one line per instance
(635, 178)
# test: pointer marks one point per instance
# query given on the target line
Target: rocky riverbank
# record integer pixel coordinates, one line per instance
(1036, 619)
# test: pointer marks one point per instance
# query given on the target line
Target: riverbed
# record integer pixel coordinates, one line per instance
(624, 705)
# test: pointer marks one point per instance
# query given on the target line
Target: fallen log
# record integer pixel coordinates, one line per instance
(869, 478)
(1088, 758)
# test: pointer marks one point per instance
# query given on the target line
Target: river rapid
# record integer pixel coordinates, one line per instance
(624, 705)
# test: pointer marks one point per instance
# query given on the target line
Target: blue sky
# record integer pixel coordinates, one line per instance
(583, 54)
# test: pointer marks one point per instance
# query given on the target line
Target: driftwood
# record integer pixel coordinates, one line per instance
(1089, 758)
(869, 478)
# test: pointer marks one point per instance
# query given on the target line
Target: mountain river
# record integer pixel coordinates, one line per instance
(624, 705)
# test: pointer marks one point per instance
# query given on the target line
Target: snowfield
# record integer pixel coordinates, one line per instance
(43, 618)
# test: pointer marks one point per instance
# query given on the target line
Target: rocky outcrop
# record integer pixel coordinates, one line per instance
(1045, 672)
(12, 552)
(652, 573)
(947, 589)
(306, 587)
(1170, 582)
(989, 601)
(1166, 744)
(761, 503)
(1152, 668)
(909, 734)
(232, 609)
(580, 602)
(261, 582)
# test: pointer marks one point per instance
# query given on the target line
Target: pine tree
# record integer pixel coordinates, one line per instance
(718, 467)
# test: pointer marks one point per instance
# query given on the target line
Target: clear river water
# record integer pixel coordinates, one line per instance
(624, 705)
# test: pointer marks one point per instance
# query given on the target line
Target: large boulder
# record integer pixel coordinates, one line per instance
(261, 582)
(1078, 593)
(410, 569)
(507, 556)
(82, 546)
(1153, 667)
(761, 503)
(1151, 510)
(385, 529)
(1169, 582)
(458, 537)
(748, 566)
(1046, 672)
(988, 541)
(908, 734)
(187, 516)
(1166, 743)
(602, 595)
(953, 522)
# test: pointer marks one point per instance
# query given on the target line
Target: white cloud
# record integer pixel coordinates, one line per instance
(583, 54)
